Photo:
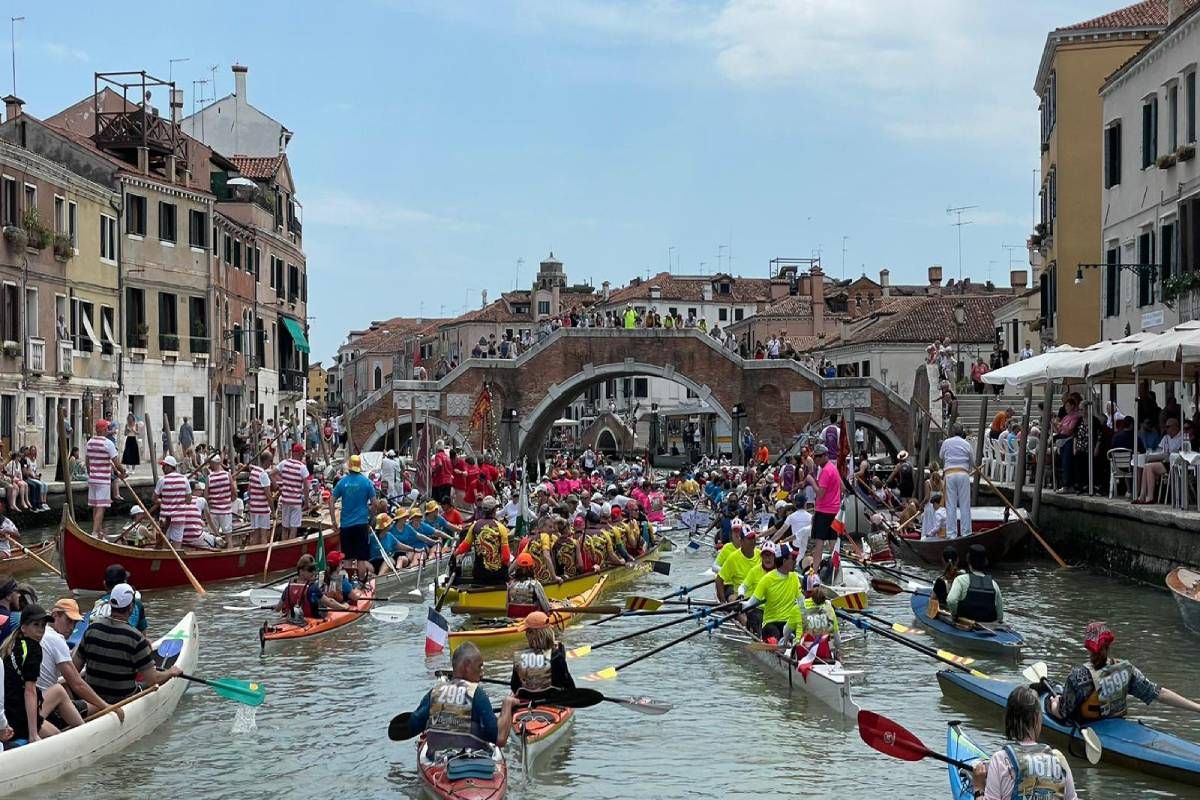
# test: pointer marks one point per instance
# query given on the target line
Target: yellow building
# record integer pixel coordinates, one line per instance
(318, 381)
(1075, 63)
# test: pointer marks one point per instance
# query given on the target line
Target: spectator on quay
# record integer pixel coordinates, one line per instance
(949, 402)
(1063, 437)
(1171, 442)
(1112, 415)
(1000, 423)
(1170, 411)
(1026, 351)
(1148, 437)
(186, 437)
(978, 369)
(1123, 437)
(1147, 406)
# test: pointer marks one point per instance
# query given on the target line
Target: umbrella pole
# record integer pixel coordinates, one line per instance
(1022, 450)
(1091, 440)
(1137, 432)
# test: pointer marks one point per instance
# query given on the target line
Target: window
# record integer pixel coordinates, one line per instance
(272, 272)
(216, 242)
(169, 412)
(279, 287)
(543, 308)
(83, 332)
(31, 206)
(377, 379)
(197, 229)
(108, 238)
(1149, 132)
(11, 202)
(672, 311)
(30, 410)
(723, 288)
(198, 408)
(256, 263)
(198, 322)
(1145, 255)
(135, 214)
(10, 325)
(1189, 235)
(73, 224)
(167, 230)
(1049, 107)
(135, 317)
(1189, 92)
(641, 387)
(31, 312)
(864, 370)
(1166, 245)
(1112, 155)
(228, 249)
(168, 321)
(1172, 118)
(237, 254)
(738, 314)
(107, 324)
(722, 315)
(293, 286)
(1053, 189)
(7, 423)
(304, 287)
(1112, 283)
(60, 215)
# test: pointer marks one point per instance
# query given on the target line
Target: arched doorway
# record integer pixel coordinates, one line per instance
(606, 443)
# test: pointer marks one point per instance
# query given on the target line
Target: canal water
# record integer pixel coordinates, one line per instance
(735, 731)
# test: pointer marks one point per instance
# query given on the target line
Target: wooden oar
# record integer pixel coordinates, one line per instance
(643, 705)
(183, 565)
(945, 656)
(1025, 520)
(610, 673)
(270, 540)
(1036, 674)
(583, 650)
(682, 590)
(114, 706)
(484, 610)
(32, 554)
(890, 739)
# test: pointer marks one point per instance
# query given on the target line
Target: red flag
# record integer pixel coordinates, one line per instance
(835, 560)
(805, 665)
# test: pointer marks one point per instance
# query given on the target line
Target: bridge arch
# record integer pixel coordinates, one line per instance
(883, 429)
(384, 428)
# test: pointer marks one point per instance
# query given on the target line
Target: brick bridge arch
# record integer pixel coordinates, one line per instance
(779, 397)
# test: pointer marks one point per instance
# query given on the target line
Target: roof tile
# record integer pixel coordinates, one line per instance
(258, 167)
(1146, 14)
(924, 319)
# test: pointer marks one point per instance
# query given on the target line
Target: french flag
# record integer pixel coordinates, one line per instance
(805, 665)
(835, 561)
(437, 633)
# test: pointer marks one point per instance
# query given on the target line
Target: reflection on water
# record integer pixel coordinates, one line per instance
(735, 731)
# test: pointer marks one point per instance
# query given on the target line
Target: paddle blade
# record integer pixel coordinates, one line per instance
(898, 628)
(637, 603)
(856, 601)
(1035, 673)
(573, 698)
(169, 647)
(248, 692)
(1091, 743)
(661, 567)
(390, 613)
(887, 737)
(642, 705)
(398, 728)
(606, 674)
(579, 652)
(962, 661)
(266, 598)
(693, 545)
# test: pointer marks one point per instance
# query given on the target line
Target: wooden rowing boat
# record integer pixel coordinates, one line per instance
(437, 771)
(997, 539)
(539, 730)
(493, 599)
(22, 563)
(514, 632)
(1185, 587)
(992, 637)
(74, 749)
(273, 635)
(85, 558)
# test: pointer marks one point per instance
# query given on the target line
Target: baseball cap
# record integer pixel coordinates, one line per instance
(490, 502)
(781, 504)
(335, 557)
(69, 607)
(121, 596)
(33, 613)
(297, 447)
(169, 461)
(820, 450)
(115, 574)
(535, 619)
(136, 511)
(354, 464)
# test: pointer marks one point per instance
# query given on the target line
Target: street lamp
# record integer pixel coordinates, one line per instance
(1140, 270)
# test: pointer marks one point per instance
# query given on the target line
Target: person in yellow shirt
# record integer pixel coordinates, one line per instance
(689, 488)
(737, 564)
(777, 593)
(730, 547)
(765, 564)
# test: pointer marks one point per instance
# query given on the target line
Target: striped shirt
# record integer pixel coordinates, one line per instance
(220, 491)
(260, 495)
(193, 521)
(292, 476)
(100, 453)
(172, 492)
(113, 654)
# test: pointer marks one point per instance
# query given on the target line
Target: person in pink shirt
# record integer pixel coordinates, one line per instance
(827, 484)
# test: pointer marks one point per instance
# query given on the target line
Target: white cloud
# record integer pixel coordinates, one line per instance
(64, 52)
(352, 211)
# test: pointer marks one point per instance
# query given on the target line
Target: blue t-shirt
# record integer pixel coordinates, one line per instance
(356, 492)
(441, 524)
(408, 536)
(483, 718)
(389, 541)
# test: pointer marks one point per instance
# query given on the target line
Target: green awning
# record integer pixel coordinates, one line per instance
(297, 333)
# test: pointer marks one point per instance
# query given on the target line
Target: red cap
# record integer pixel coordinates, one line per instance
(298, 448)
(616, 512)
(579, 523)
(101, 425)
(525, 560)
(335, 557)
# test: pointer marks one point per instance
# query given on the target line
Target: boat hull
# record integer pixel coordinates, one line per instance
(21, 563)
(436, 783)
(540, 730)
(960, 748)
(274, 636)
(74, 749)
(514, 633)
(1005, 642)
(1185, 588)
(998, 541)
(1126, 742)
(85, 558)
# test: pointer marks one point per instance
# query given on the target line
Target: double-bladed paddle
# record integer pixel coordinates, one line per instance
(945, 656)
(889, 738)
(399, 728)
(1037, 676)
(610, 673)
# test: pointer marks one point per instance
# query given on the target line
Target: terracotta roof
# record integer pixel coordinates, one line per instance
(388, 335)
(690, 289)
(799, 305)
(258, 167)
(1146, 14)
(923, 319)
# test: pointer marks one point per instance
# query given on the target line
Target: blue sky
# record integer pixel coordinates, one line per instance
(439, 141)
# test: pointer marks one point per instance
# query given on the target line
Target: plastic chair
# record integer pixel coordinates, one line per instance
(1120, 467)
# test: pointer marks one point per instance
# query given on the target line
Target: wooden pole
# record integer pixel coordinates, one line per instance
(1022, 450)
(982, 432)
(1091, 416)
(64, 461)
(1044, 439)
(191, 578)
(1032, 529)
(921, 435)
(32, 554)
(150, 449)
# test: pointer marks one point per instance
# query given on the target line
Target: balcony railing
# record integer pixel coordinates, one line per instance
(291, 381)
(35, 354)
(168, 341)
(295, 226)
(66, 358)
(199, 344)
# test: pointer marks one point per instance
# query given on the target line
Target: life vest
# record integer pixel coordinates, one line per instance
(533, 669)
(538, 547)
(565, 551)
(450, 707)
(979, 603)
(597, 548)
(1039, 772)
(633, 539)
(487, 543)
(1110, 691)
(522, 598)
(297, 602)
(818, 621)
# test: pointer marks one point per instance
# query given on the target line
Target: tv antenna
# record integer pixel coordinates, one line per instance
(171, 67)
(957, 212)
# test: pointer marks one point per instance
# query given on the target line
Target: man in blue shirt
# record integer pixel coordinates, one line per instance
(456, 711)
(356, 492)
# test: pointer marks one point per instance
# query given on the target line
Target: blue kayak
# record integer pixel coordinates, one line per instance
(997, 639)
(959, 747)
(1126, 742)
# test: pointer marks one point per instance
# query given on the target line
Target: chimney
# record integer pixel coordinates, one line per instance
(606, 286)
(817, 281)
(935, 279)
(12, 106)
(885, 280)
(483, 297)
(806, 285)
(239, 82)
(707, 293)
(1175, 9)
(655, 293)
(176, 105)
(1018, 278)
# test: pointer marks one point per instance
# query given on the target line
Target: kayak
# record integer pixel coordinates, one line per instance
(1126, 742)
(272, 635)
(539, 730)
(463, 774)
(960, 748)
(1185, 588)
(514, 631)
(996, 639)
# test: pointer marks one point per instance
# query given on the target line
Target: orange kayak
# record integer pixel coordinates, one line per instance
(463, 774)
(277, 633)
(539, 730)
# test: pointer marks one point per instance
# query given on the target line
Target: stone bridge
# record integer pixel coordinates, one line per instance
(777, 398)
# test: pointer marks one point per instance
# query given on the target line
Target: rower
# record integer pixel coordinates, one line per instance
(1100, 689)
(456, 713)
(303, 598)
(737, 564)
(933, 518)
(816, 621)
(525, 593)
(544, 665)
(259, 501)
(766, 563)
(102, 463)
(114, 575)
(385, 540)
(57, 663)
(415, 533)
(974, 595)
(1025, 768)
(568, 551)
(731, 546)
(113, 656)
(25, 704)
(941, 586)
(487, 541)
(337, 583)
(777, 593)
(135, 532)
(540, 547)
(433, 515)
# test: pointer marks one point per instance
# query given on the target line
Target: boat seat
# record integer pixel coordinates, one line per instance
(479, 767)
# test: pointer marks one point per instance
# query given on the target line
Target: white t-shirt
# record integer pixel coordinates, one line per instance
(512, 510)
(800, 521)
(54, 652)
(956, 453)
(622, 501)
(389, 470)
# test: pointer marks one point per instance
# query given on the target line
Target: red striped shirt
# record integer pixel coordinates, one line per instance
(100, 453)
(292, 476)
(220, 491)
(193, 522)
(172, 493)
(260, 496)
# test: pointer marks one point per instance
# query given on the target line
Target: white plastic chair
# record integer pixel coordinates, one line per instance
(1120, 467)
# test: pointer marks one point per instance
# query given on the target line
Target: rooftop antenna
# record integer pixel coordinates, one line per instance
(720, 250)
(1010, 248)
(844, 240)
(989, 270)
(517, 281)
(957, 212)
(213, 69)
(13, 43)
(670, 261)
(171, 68)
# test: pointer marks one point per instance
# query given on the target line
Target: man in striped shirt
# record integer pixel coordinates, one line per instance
(195, 533)
(259, 499)
(293, 474)
(112, 653)
(170, 496)
(102, 461)
(219, 492)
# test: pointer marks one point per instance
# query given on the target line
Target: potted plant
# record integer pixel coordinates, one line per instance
(1165, 161)
(1186, 153)
(1040, 229)
(40, 237)
(1036, 240)
(16, 236)
(10, 347)
(170, 341)
(143, 332)
(63, 249)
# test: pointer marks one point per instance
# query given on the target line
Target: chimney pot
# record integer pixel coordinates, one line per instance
(483, 297)
(176, 105)
(1019, 278)
(935, 275)
(1175, 9)
(239, 82)
(12, 106)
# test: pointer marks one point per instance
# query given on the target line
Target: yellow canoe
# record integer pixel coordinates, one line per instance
(514, 633)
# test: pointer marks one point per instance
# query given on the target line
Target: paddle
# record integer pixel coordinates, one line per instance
(247, 692)
(661, 567)
(583, 650)
(682, 590)
(887, 737)
(1093, 749)
(32, 554)
(643, 705)
(610, 673)
(381, 613)
(191, 578)
(945, 656)
(399, 728)
(484, 610)
(270, 540)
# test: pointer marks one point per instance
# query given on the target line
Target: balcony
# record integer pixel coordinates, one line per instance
(295, 226)
(168, 342)
(291, 381)
(35, 354)
(66, 358)
(199, 345)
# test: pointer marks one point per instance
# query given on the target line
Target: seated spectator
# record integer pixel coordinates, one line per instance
(1124, 435)
(1171, 442)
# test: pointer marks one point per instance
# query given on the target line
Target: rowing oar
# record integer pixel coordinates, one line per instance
(32, 554)
(484, 610)
(400, 728)
(1028, 524)
(643, 705)
(610, 673)
(191, 578)
(890, 739)
(682, 590)
(945, 656)
(1036, 675)
(583, 650)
